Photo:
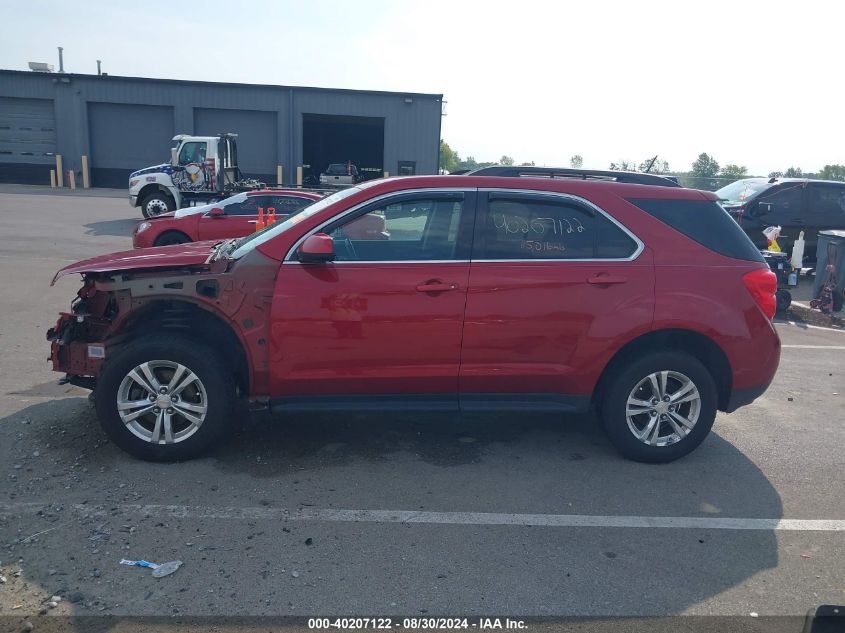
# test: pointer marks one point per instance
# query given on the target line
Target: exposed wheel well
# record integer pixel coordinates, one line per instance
(698, 345)
(149, 189)
(189, 320)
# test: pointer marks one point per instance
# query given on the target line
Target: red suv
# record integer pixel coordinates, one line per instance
(464, 293)
(233, 217)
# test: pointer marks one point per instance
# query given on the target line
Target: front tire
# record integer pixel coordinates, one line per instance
(659, 407)
(165, 398)
(157, 203)
(169, 238)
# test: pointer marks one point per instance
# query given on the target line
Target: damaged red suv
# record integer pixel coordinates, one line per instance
(636, 297)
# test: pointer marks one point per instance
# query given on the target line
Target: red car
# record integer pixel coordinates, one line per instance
(646, 302)
(233, 217)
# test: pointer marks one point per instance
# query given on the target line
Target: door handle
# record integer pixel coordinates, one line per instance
(435, 285)
(603, 278)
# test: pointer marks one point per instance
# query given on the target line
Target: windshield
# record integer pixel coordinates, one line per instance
(338, 169)
(741, 190)
(244, 245)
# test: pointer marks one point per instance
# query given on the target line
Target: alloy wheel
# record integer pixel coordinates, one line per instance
(663, 408)
(162, 402)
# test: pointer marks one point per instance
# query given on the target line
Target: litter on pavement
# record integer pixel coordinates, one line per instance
(159, 571)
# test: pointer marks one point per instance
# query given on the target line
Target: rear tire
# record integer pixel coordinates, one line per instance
(156, 203)
(171, 237)
(186, 409)
(647, 401)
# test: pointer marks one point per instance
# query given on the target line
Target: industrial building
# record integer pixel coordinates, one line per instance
(121, 124)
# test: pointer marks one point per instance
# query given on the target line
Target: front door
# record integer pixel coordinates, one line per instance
(380, 325)
(555, 286)
(239, 220)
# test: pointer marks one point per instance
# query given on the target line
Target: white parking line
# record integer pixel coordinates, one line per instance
(814, 346)
(332, 515)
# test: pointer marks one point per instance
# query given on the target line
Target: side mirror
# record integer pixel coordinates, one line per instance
(316, 249)
(173, 157)
(217, 212)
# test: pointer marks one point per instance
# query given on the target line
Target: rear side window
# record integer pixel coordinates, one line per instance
(705, 222)
(524, 227)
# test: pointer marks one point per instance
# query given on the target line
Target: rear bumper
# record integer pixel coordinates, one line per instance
(741, 397)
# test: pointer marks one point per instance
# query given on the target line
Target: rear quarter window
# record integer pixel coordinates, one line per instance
(705, 222)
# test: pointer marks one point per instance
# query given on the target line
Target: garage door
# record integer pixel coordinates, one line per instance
(27, 140)
(256, 130)
(126, 137)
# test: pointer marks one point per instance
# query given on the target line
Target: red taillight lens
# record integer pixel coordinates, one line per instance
(762, 284)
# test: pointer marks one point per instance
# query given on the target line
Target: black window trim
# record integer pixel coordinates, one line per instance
(586, 205)
(465, 232)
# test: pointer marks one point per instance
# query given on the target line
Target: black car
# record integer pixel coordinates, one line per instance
(794, 204)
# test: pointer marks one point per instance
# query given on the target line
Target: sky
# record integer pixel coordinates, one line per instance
(758, 84)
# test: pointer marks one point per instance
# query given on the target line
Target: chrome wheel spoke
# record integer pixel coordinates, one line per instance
(142, 381)
(187, 380)
(190, 417)
(174, 379)
(127, 405)
(130, 417)
(686, 393)
(190, 406)
(680, 431)
(655, 388)
(637, 406)
(150, 376)
(677, 417)
(649, 428)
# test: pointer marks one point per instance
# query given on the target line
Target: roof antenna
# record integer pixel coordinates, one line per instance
(651, 164)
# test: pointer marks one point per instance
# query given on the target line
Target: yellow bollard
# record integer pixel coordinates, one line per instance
(53, 178)
(71, 178)
(86, 175)
(60, 175)
(279, 179)
(387, 174)
(299, 175)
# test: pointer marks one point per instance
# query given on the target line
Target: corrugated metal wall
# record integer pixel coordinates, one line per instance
(268, 118)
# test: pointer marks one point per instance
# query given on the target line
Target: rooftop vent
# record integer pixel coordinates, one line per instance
(41, 67)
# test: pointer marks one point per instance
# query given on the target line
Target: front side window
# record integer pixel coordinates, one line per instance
(781, 204)
(192, 153)
(412, 229)
(247, 207)
(526, 228)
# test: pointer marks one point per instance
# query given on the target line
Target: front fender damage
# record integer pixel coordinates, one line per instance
(108, 309)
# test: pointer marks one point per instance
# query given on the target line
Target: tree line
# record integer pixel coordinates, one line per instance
(705, 172)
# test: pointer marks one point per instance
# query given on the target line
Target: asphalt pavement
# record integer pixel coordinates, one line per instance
(400, 514)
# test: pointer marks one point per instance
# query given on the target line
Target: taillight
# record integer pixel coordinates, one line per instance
(762, 284)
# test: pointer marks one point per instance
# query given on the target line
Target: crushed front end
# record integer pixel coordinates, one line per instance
(77, 342)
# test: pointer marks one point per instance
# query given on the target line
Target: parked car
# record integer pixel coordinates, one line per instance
(233, 217)
(463, 293)
(344, 174)
(795, 204)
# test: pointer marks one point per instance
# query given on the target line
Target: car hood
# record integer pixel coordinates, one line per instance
(176, 256)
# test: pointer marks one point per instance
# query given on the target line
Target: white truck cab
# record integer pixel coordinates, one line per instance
(202, 169)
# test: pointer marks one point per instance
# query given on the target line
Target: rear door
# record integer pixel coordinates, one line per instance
(239, 220)
(556, 286)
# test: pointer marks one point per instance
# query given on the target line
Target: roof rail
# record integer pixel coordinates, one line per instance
(634, 177)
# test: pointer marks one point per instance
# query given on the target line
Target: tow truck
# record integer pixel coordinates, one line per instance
(202, 169)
